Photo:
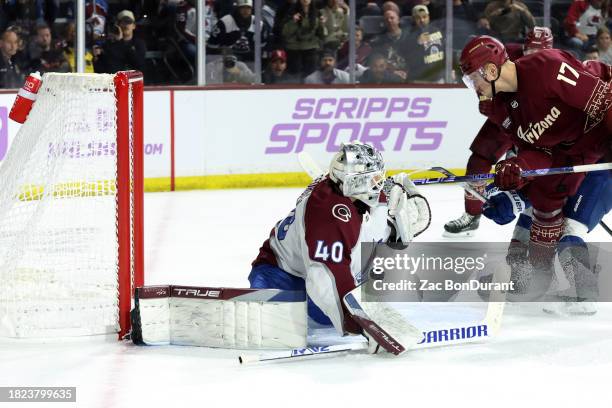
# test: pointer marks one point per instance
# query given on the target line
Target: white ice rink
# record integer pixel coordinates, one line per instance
(210, 237)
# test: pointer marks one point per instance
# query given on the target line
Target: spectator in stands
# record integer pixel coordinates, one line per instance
(591, 53)
(426, 48)
(436, 7)
(21, 58)
(362, 50)
(327, 72)
(303, 32)
(122, 51)
(393, 44)
(10, 74)
(237, 31)
(67, 44)
(187, 28)
(390, 5)
(228, 70)
(282, 15)
(335, 14)
(96, 12)
(44, 54)
(135, 56)
(276, 73)
(41, 41)
(604, 45)
(378, 72)
(509, 20)
(583, 19)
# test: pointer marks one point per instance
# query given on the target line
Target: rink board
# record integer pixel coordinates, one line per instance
(224, 138)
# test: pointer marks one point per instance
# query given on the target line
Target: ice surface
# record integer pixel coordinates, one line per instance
(210, 238)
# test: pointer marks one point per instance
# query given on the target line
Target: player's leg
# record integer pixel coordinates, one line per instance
(469, 220)
(583, 212)
(266, 276)
(488, 146)
(547, 196)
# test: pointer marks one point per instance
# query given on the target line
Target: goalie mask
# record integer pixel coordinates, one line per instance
(359, 171)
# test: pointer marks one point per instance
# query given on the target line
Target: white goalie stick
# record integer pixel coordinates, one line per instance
(302, 353)
(309, 165)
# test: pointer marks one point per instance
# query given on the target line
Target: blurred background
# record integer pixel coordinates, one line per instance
(208, 42)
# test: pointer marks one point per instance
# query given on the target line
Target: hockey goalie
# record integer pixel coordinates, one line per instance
(316, 251)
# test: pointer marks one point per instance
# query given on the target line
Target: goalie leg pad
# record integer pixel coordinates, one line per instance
(221, 317)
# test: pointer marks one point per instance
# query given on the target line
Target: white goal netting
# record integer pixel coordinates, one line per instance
(58, 213)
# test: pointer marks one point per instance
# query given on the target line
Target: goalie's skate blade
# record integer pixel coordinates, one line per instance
(463, 234)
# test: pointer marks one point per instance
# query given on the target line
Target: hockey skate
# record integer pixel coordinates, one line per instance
(570, 306)
(463, 226)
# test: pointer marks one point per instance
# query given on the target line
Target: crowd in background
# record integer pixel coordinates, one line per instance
(302, 41)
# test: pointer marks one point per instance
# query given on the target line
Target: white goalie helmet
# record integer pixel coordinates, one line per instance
(359, 171)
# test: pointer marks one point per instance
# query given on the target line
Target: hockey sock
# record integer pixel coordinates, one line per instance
(546, 230)
(473, 205)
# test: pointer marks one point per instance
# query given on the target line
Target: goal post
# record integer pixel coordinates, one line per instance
(71, 209)
(130, 211)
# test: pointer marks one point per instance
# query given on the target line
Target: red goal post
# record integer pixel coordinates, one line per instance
(130, 195)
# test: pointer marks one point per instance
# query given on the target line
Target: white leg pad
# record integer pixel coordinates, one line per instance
(227, 318)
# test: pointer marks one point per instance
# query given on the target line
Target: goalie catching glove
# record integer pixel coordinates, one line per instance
(409, 211)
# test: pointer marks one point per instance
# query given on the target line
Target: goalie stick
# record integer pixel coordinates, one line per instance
(300, 353)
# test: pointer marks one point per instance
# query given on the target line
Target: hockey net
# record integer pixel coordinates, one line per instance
(71, 191)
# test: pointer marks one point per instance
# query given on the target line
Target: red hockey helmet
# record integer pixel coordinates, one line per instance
(540, 38)
(480, 51)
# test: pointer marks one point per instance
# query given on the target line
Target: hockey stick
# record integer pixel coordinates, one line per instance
(309, 165)
(301, 353)
(605, 226)
(524, 173)
(466, 186)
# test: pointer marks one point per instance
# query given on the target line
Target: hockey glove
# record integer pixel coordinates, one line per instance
(408, 210)
(503, 206)
(508, 175)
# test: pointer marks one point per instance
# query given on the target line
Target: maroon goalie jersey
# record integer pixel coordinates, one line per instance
(319, 241)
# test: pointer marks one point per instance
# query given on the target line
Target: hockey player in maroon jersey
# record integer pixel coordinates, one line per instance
(554, 108)
(317, 246)
(492, 142)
